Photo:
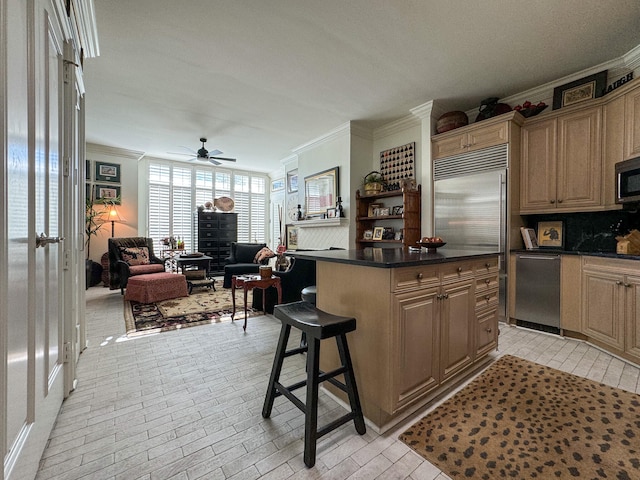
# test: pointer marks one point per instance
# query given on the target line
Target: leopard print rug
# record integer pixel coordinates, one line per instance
(521, 420)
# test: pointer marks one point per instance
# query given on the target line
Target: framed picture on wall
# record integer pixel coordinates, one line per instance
(106, 193)
(277, 185)
(292, 181)
(107, 172)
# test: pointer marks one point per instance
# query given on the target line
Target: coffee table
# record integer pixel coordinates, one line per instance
(249, 282)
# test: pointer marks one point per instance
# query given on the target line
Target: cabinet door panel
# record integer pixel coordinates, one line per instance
(488, 136)
(579, 159)
(458, 317)
(538, 166)
(632, 314)
(603, 307)
(446, 147)
(632, 123)
(417, 340)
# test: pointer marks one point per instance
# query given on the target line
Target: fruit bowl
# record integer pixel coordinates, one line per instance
(431, 247)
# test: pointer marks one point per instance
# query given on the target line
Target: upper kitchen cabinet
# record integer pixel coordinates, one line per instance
(561, 162)
(487, 133)
(632, 122)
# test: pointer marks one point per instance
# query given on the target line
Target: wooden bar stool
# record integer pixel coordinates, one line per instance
(317, 325)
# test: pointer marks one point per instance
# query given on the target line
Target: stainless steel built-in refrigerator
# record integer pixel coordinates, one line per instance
(470, 207)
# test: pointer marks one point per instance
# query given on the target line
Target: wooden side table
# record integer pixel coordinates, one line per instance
(249, 282)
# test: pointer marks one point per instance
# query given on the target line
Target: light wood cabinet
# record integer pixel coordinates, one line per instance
(487, 133)
(408, 221)
(561, 163)
(611, 304)
(632, 123)
(418, 327)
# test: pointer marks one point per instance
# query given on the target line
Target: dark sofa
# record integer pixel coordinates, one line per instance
(242, 260)
(302, 273)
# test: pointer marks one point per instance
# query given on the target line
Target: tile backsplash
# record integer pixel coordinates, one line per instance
(591, 231)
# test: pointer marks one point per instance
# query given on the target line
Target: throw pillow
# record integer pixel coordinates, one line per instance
(135, 255)
(263, 254)
(245, 253)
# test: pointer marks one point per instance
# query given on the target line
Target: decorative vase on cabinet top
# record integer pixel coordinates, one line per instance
(451, 121)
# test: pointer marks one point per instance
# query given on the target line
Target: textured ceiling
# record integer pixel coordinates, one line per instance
(259, 78)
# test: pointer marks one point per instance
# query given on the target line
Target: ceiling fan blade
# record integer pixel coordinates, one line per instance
(188, 149)
(214, 152)
(214, 162)
(223, 158)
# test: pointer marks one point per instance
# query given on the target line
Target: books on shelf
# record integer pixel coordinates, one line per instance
(529, 238)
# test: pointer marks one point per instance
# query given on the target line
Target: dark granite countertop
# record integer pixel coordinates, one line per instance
(392, 257)
(550, 251)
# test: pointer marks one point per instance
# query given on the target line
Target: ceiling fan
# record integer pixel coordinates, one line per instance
(204, 154)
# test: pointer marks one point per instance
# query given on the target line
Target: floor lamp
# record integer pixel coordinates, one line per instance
(114, 217)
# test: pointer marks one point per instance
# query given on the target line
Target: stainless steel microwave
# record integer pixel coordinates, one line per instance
(628, 181)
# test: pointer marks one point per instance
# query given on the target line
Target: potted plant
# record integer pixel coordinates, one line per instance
(93, 222)
(373, 183)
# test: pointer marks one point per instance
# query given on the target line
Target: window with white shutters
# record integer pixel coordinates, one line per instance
(175, 191)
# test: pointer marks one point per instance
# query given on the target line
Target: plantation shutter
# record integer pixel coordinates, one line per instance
(204, 187)
(242, 207)
(258, 209)
(182, 206)
(159, 214)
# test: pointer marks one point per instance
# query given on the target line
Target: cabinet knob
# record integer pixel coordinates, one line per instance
(559, 201)
(618, 282)
(419, 276)
(487, 265)
(487, 297)
(487, 281)
(459, 269)
(553, 201)
(628, 285)
(489, 330)
(445, 296)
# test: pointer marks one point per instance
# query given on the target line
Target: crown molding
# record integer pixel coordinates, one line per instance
(114, 151)
(632, 58)
(396, 126)
(341, 131)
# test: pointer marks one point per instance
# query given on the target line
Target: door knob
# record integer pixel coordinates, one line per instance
(43, 240)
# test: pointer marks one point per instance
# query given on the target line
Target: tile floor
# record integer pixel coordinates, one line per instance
(187, 405)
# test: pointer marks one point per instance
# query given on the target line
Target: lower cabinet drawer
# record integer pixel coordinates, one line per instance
(414, 277)
(488, 298)
(487, 333)
(486, 283)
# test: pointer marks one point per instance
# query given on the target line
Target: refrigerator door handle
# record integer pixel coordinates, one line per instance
(502, 201)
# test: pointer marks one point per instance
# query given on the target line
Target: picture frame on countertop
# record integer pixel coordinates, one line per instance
(331, 212)
(587, 88)
(107, 172)
(551, 234)
(378, 232)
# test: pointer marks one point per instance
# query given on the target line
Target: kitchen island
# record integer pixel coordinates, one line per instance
(423, 321)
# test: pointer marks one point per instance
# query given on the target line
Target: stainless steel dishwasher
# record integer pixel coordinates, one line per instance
(538, 291)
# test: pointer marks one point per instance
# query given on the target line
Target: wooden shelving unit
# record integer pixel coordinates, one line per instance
(408, 222)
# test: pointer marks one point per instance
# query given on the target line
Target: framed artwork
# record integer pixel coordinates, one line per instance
(292, 181)
(550, 234)
(378, 232)
(321, 191)
(368, 235)
(397, 164)
(384, 212)
(106, 193)
(331, 213)
(373, 207)
(107, 172)
(291, 233)
(586, 88)
(277, 185)
(398, 210)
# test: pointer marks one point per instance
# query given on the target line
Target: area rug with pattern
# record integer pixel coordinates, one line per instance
(202, 307)
(522, 420)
